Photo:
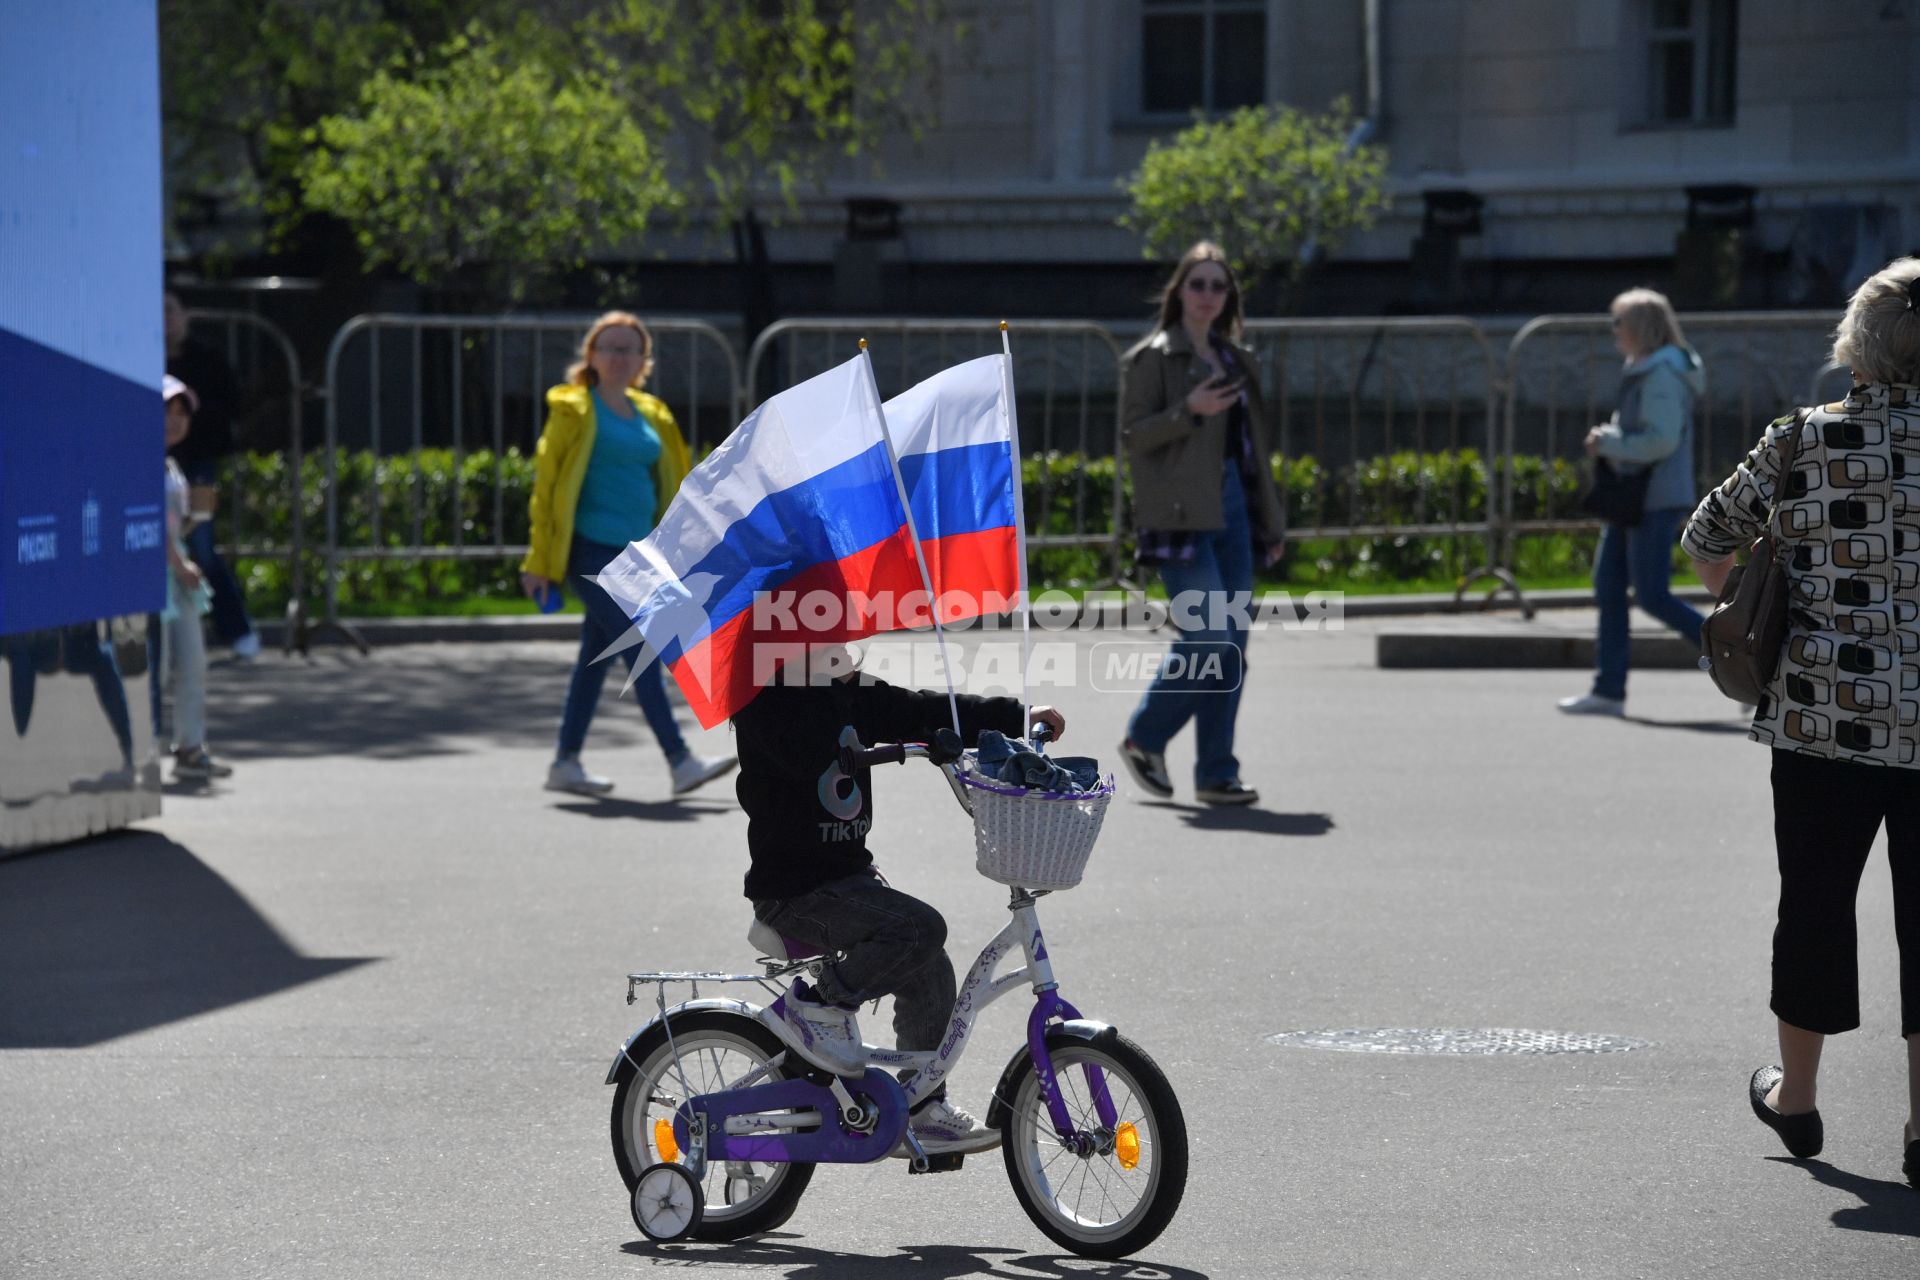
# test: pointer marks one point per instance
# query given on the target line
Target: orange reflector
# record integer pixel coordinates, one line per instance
(669, 1149)
(1126, 1145)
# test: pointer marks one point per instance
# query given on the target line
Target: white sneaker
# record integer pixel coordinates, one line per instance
(824, 1034)
(571, 775)
(247, 647)
(1592, 704)
(943, 1127)
(695, 771)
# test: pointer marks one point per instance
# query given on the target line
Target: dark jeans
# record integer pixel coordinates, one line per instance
(1642, 555)
(894, 944)
(1826, 814)
(1222, 566)
(606, 622)
(230, 620)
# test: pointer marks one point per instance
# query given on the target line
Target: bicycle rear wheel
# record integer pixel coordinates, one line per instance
(717, 1050)
(1115, 1198)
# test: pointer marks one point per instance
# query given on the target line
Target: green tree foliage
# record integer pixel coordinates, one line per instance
(774, 92)
(484, 159)
(736, 98)
(1263, 182)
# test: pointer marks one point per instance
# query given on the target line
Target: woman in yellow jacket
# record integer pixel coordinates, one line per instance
(607, 466)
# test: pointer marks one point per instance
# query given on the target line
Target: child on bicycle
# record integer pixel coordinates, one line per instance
(813, 878)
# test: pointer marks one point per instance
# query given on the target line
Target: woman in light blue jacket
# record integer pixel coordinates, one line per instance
(1652, 430)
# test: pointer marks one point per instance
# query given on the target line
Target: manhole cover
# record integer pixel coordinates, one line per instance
(1455, 1040)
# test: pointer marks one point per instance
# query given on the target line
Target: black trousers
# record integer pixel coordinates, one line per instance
(1826, 814)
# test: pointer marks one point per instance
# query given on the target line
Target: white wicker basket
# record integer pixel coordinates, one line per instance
(1034, 839)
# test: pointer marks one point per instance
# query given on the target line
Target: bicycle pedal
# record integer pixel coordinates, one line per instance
(946, 1162)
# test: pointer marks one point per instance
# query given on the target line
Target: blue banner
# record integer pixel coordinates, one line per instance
(82, 438)
(82, 458)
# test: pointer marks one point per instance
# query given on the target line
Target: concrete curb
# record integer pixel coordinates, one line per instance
(1108, 613)
(1415, 651)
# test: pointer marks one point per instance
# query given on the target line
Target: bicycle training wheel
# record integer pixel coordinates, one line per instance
(718, 1050)
(1117, 1196)
(667, 1203)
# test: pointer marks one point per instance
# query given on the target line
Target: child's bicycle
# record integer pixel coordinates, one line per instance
(717, 1129)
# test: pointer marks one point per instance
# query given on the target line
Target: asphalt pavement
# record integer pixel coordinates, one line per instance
(348, 1013)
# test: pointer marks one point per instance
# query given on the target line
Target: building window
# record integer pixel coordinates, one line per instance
(1689, 62)
(1209, 55)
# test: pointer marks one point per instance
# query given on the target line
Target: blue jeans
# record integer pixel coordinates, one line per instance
(1222, 565)
(230, 620)
(1643, 555)
(606, 622)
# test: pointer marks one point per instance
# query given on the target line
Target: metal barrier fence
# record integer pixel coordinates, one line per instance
(270, 412)
(476, 386)
(1346, 396)
(1066, 377)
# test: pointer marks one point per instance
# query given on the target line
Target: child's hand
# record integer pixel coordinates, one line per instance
(1051, 717)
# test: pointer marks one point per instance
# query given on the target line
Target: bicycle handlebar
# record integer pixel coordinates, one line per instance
(946, 748)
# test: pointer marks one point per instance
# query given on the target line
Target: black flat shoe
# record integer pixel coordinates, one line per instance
(1803, 1135)
(1912, 1164)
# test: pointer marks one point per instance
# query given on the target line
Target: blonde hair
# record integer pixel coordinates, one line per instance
(581, 374)
(1647, 318)
(1227, 323)
(1879, 336)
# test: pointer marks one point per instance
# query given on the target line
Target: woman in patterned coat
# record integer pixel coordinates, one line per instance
(1842, 712)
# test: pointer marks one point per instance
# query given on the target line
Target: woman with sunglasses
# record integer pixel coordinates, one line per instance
(1651, 433)
(610, 459)
(1204, 504)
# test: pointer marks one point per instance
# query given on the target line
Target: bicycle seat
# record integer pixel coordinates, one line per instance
(774, 945)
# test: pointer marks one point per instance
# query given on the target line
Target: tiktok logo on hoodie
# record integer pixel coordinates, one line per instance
(845, 807)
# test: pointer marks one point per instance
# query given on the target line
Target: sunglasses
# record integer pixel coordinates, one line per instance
(1195, 284)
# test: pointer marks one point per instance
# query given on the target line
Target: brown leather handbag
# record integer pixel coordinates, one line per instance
(1747, 629)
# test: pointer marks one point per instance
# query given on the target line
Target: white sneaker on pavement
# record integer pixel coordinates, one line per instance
(824, 1034)
(943, 1127)
(247, 647)
(571, 775)
(1592, 704)
(696, 771)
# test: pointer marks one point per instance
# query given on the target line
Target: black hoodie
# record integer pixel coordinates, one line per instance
(807, 822)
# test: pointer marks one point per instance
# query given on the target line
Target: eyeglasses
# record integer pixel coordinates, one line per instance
(1199, 284)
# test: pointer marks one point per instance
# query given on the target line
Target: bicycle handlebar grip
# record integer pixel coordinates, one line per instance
(866, 758)
(946, 747)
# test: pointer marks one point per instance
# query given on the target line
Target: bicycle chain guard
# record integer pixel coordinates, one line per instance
(829, 1143)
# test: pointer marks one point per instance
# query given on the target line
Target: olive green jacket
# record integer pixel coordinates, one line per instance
(1176, 459)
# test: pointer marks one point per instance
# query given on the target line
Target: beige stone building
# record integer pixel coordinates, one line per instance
(1581, 125)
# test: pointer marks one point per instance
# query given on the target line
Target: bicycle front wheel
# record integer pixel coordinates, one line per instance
(717, 1050)
(1118, 1194)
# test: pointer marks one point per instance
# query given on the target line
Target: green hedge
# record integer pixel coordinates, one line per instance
(424, 498)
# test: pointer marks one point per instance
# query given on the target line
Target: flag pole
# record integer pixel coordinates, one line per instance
(1021, 603)
(919, 555)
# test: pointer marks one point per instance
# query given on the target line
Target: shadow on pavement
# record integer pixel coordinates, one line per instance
(922, 1262)
(646, 810)
(1885, 1208)
(1693, 726)
(1206, 817)
(121, 933)
(408, 701)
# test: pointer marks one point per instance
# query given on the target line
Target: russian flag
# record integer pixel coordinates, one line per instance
(953, 434)
(793, 531)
